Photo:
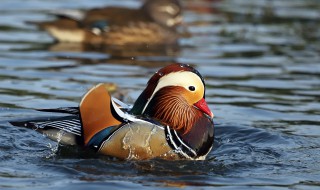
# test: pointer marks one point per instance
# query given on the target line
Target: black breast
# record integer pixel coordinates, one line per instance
(201, 137)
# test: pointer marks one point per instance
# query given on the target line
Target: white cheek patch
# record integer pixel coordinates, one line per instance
(183, 79)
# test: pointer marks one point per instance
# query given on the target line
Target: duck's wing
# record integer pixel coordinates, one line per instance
(65, 130)
(67, 110)
(76, 15)
(98, 111)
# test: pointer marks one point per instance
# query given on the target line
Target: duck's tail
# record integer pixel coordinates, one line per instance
(65, 129)
(64, 29)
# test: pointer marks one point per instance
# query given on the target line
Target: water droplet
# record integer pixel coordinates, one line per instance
(160, 73)
(153, 131)
(53, 149)
(60, 135)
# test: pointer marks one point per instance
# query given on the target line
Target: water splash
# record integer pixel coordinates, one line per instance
(54, 148)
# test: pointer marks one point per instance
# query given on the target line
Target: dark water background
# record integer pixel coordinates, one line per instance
(261, 61)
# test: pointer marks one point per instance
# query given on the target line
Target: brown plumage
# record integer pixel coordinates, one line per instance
(154, 23)
(170, 106)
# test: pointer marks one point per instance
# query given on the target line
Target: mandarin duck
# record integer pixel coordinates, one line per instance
(154, 23)
(169, 120)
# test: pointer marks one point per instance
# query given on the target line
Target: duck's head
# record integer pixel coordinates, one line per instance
(167, 13)
(175, 95)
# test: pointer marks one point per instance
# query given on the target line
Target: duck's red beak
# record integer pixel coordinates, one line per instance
(203, 106)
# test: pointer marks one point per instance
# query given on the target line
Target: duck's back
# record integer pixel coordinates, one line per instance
(115, 16)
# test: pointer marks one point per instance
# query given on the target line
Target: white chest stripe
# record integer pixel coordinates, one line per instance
(125, 115)
(179, 149)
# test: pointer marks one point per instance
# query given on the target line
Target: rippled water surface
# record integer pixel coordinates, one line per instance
(261, 62)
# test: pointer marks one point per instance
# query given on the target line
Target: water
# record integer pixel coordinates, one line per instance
(260, 60)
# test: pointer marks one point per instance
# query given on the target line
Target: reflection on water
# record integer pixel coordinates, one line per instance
(261, 64)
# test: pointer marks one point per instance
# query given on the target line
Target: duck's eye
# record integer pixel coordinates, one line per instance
(192, 88)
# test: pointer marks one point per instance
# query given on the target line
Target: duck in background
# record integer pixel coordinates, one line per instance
(169, 120)
(154, 23)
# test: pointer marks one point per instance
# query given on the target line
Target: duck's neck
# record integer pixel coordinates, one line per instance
(168, 106)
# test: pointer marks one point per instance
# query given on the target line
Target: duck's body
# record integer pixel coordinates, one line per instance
(167, 121)
(152, 24)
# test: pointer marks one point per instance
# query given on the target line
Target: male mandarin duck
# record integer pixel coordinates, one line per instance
(153, 23)
(169, 120)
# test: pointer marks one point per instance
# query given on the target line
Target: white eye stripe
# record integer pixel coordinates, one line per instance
(171, 9)
(183, 78)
